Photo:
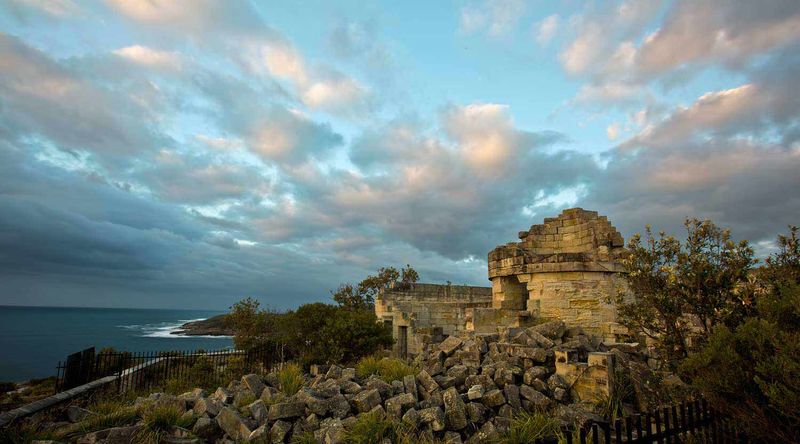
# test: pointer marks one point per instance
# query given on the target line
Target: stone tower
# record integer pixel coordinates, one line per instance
(565, 268)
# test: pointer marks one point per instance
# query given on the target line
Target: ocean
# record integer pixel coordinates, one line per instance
(34, 339)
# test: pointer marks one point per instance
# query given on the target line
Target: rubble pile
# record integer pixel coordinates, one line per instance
(468, 389)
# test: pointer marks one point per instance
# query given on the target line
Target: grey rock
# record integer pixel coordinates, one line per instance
(222, 395)
(338, 406)
(552, 330)
(279, 431)
(207, 428)
(493, 398)
(253, 382)
(536, 398)
(512, 396)
(534, 373)
(232, 424)
(208, 406)
(454, 410)
(449, 345)
(381, 386)
(287, 409)
(411, 417)
(397, 405)
(434, 417)
(475, 392)
(476, 412)
(77, 414)
(427, 382)
(259, 411)
(348, 374)
(410, 386)
(452, 438)
(351, 387)
(113, 435)
(367, 400)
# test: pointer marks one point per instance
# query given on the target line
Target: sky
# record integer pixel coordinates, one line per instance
(187, 154)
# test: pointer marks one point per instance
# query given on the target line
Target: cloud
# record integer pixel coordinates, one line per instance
(546, 29)
(289, 137)
(496, 17)
(149, 57)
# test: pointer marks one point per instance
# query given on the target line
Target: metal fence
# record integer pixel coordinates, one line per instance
(142, 370)
(691, 421)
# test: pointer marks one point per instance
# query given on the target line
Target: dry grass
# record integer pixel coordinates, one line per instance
(388, 369)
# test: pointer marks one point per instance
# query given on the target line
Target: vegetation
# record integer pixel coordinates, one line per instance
(373, 428)
(13, 395)
(321, 333)
(751, 371)
(362, 296)
(388, 369)
(732, 330)
(531, 427)
(290, 379)
(158, 421)
(683, 290)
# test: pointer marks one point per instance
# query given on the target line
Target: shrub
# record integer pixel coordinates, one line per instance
(305, 438)
(388, 369)
(290, 379)
(117, 418)
(530, 427)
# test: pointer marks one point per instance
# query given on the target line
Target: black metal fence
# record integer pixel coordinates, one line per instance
(687, 422)
(142, 370)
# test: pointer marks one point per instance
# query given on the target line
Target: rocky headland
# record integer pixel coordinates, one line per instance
(213, 326)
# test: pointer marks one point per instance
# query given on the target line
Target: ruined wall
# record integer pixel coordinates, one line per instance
(426, 312)
(566, 268)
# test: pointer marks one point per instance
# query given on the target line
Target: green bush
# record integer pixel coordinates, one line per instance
(158, 421)
(388, 369)
(373, 428)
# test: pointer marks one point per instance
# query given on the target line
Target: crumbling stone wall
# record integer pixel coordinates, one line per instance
(425, 313)
(565, 268)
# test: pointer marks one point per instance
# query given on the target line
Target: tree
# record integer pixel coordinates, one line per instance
(362, 296)
(751, 371)
(678, 289)
(253, 327)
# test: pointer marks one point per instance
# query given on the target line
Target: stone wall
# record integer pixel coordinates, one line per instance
(566, 268)
(424, 313)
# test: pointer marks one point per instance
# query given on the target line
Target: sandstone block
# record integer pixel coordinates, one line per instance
(253, 382)
(285, 410)
(233, 424)
(279, 431)
(427, 382)
(367, 400)
(449, 345)
(475, 392)
(433, 416)
(493, 398)
(397, 405)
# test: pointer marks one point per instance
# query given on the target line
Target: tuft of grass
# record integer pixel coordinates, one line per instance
(158, 421)
(388, 369)
(121, 417)
(530, 427)
(305, 438)
(290, 379)
(373, 428)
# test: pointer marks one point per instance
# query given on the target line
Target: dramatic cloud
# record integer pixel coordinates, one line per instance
(176, 153)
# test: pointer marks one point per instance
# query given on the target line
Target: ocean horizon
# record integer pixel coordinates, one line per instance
(34, 339)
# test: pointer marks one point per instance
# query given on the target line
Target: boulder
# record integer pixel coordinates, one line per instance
(279, 431)
(552, 330)
(288, 409)
(434, 417)
(113, 435)
(534, 373)
(253, 382)
(348, 374)
(427, 382)
(452, 438)
(381, 386)
(454, 410)
(259, 434)
(207, 428)
(450, 345)
(367, 400)
(476, 412)
(338, 407)
(222, 395)
(411, 417)
(512, 396)
(410, 386)
(397, 405)
(475, 392)
(493, 398)
(233, 424)
(258, 411)
(537, 399)
(208, 406)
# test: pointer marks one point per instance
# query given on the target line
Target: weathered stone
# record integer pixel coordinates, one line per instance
(433, 416)
(560, 394)
(539, 400)
(533, 374)
(222, 395)
(452, 438)
(540, 339)
(512, 396)
(350, 387)
(261, 433)
(366, 400)
(331, 431)
(503, 376)
(493, 398)
(381, 386)
(259, 411)
(230, 422)
(476, 412)
(487, 433)
(449, 345)
(334, 372)
(113, 435)
(397, 388)
(77, 414)
(348, 374)
(454, 410)
(411, 417)
(427, 382)
(552, 329)
(506, 411)
(397, 405)
(534, 353)
(338, 406)
(208, 406)
(287, 409)
(207, 428)
(475, 392)
(445, 382)
(279, 431)
(410, 386)
(326, 389)
(253, 382)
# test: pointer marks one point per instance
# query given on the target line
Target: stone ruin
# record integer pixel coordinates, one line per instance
(567, 268)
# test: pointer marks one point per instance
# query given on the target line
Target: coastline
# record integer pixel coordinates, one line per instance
(215, 326)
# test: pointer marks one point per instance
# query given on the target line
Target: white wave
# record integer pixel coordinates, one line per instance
(167, 329)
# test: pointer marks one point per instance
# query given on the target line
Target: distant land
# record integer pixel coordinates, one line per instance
(213, 326)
